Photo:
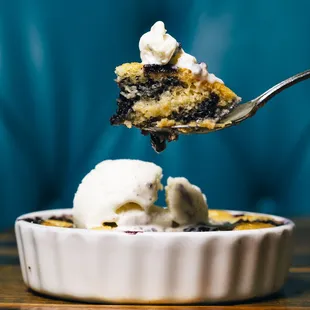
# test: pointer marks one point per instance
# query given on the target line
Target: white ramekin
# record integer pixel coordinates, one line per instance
(153, 267)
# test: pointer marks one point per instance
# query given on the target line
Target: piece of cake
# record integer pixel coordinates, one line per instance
(169, 87)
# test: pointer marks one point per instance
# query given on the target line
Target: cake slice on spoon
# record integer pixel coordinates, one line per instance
(169, 88)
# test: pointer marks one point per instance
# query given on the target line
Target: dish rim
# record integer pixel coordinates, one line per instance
(287, 224)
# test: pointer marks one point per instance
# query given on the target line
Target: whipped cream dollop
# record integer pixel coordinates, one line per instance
(159, 48)
(122, 193)
(156, 46)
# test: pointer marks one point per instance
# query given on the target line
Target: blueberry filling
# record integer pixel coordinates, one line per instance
(33, 220)
(206, 109)
(274, 223)
(64, 218)
(132, 232)
(200, 228)
(158, 142)
(149, 90)
(153, 89)
(209, 227)
(148, 69)
(124, 107)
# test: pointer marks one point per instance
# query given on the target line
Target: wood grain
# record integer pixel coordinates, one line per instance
(295, 294)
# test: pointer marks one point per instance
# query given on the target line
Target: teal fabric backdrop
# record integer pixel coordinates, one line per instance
(57, 61)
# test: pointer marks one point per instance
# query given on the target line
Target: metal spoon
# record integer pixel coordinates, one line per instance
(236, 116)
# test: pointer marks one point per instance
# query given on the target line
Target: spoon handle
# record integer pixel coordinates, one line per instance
(267, 95)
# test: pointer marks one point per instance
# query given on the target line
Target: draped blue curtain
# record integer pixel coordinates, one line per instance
(57, 93)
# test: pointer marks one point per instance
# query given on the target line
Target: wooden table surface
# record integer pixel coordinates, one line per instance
(294, 295)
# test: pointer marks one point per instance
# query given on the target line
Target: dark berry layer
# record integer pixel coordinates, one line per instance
(34, 220)
(200, 228)
(124, 108)
(274, 223)
(64, 218)
(152, 89)
(148, 69)
(206, 109)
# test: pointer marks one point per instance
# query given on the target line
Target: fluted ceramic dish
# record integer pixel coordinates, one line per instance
(153, 267)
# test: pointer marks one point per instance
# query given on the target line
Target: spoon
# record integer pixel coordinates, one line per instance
(235, 117)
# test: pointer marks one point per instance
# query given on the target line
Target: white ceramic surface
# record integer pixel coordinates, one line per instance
(154, 267)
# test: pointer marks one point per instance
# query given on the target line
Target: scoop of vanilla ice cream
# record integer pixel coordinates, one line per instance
(118, 191)
(185, 201)
(156, 46)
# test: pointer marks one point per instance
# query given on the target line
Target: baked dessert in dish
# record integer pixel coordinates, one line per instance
(120, 195)
(237, 221)
(117, 246)
(169, 88)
